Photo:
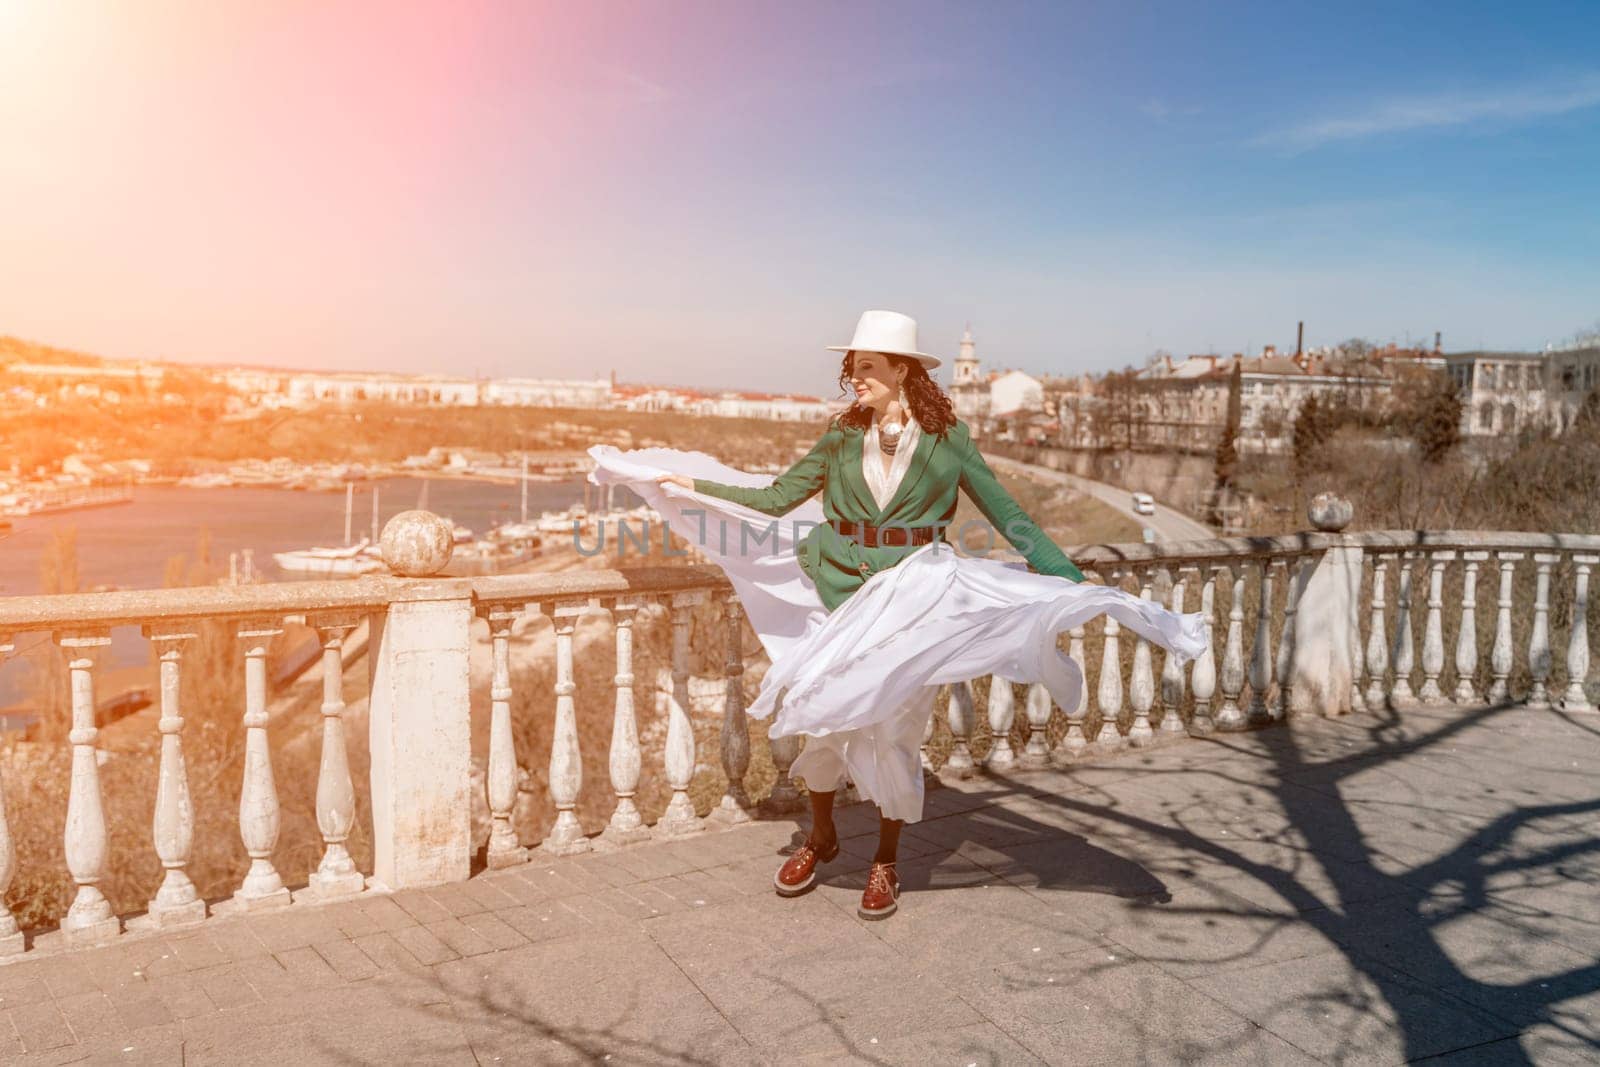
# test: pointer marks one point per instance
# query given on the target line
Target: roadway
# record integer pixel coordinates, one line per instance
(1168, 523)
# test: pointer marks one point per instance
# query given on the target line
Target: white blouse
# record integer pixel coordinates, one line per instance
(881, 484)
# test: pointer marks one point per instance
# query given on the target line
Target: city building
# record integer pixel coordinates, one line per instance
(969, 392)
(1502, 393)
(1571, 374)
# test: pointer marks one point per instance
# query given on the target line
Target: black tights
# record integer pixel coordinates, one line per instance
(823, 832)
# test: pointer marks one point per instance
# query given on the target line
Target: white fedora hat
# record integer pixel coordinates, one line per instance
(888, 332)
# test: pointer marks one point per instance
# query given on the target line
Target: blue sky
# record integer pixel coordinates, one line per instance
(707, 193)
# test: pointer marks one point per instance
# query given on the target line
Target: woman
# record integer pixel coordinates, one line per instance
(881, 612)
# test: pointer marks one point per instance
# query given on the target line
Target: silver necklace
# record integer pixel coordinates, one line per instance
(889, 438)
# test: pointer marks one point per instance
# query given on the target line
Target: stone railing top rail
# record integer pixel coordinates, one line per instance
(1476, 540)
(1180, 553)
(353, 596)
(331, 598)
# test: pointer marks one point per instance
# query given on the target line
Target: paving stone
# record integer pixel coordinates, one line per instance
(641, 901)
(607, 868)
(41, 1026)
(808, 1001)
(291, 928)
(90, 1016)
(425, 945)
(517, 884)
(957, 929)
(306, 967)
(183, 994)
(461, 939)
(487, 893)
(387, 913)
(25, 983)
(611, 990)
(1331, 1008)
(417, 904)
(226, 987)
(62, 975)
(456, 900)
(351, 919)
(982, 1043)
(494, 930)
(593, 911)
(197, 951)
(268, 978)
(347, 960)
(236, 941)
(546, 922)
(141, 1006)
(399, 964)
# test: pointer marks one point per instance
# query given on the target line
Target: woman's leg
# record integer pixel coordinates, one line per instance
(888, 839)
(823, 834)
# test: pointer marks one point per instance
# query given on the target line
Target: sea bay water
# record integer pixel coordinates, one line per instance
(128, 545)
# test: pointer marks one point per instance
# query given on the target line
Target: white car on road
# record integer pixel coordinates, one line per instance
(1144, 504)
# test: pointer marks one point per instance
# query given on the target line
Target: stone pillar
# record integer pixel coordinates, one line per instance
(420, 733)
(1325, 652)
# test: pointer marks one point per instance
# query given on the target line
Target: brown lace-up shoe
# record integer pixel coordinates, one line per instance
(799, 872)
(882, 895)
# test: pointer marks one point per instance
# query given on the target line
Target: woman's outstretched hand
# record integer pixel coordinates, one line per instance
(676, 479)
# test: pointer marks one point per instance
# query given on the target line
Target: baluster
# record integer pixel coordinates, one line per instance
(961, 716)
(1500, 657)
(1358, 700)
(1467, 639)
(1036, 753)
(679, 820)
(1539, 638)
(1404, 649)
(1377, 639)
(734, 808)
(1294, 571)
(1109, 691)
(259, 816)
(1230, 716)
(336, 876)
(927, 757)
(1261, 648)
(626, 826)
(785, 798)
(1172, 671)
(566, 761)
(90, 918)
(1575, 699)
(1141, 687)
(1433, 630)
(1073, 743)
(500, 779)
(11, 939)
(176, 903)
(1002, 713)
(1203, 679)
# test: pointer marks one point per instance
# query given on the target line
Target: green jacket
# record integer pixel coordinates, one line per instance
(940, 466)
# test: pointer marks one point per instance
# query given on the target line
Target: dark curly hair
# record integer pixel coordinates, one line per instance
(929, 404)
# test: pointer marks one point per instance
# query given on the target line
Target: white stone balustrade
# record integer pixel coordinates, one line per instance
(1304, 655)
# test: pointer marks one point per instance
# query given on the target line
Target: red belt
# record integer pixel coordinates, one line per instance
(890, 536)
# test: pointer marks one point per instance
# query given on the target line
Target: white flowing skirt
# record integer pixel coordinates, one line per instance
(859, 682)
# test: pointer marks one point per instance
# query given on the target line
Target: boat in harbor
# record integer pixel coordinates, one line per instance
(355, 558)
(359, 558)
(206, 481)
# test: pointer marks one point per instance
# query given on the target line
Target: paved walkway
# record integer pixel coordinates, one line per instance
(1367, 890)
(1169, 523)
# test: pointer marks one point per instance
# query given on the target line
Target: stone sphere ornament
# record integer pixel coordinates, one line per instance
(416, 544)
(1330, 513)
